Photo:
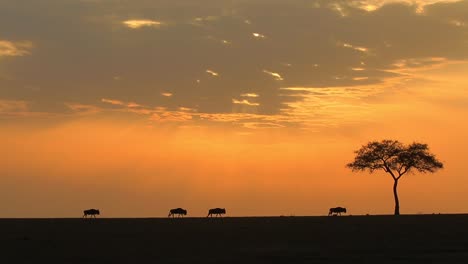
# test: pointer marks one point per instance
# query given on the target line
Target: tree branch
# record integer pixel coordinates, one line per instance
(400, 168)
(402, 173)
(390, 171)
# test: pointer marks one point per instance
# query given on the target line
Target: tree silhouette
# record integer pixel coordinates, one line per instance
(396, 159)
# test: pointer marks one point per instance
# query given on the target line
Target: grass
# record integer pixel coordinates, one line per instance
(363, 239)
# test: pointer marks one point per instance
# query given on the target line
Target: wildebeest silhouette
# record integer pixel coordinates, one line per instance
(91, 212)
(216, 211)
(336, 211)
(177, 211)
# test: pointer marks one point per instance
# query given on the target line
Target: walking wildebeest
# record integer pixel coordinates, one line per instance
(336, 211)
(91, 212)
(216, 211)
(177, 211)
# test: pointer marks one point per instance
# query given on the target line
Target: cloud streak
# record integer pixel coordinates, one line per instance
(244, 102)
(139, 23)
(13, 49)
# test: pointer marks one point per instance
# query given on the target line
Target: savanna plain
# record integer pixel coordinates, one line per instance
(319, 239)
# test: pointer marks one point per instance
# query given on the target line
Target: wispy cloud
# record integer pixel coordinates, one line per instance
(360, 78)
(420, 63)
(83, 109)
(133, 105)
(20, 108)
(121, 103)
(10, 106)
(357, 48)
(244, 102)
(154, 114)
(138, 23)
(262, 125)
(206, 18)
(111, 101)
(190, 116)
(203, 21)
(275, 75)
(249, 95)
(24, 109)
(171, 116)
(258, 35)
(373, 5)
(9, 48)
(213, 73)
(338, 8)
(187, 109)
(167, 94)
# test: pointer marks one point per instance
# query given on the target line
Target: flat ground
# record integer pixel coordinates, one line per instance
(360, 239)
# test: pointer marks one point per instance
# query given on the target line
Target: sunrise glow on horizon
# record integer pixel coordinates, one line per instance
(135, 107)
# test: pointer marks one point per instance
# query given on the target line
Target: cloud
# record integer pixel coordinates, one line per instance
(83, 109)
(14, 109)
(113, 102)
(301, 44)
(133, 105)
(213, 73)
(139, 23)
(372, 5)
(360, 78)
(250, 95)
(244, 102)
(171, 117)
(9, 106)
(120, 103)
(361, 49)
(275, 75)
(202, 21)
(262, 125)
(183, 115)
(9, 48)
(258, 35)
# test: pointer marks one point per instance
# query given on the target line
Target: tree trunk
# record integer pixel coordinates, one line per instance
(395, 194)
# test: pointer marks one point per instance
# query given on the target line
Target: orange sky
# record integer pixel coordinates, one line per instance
(273, 143)
(127, 168)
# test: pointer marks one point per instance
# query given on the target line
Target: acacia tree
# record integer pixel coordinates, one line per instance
(396, 159)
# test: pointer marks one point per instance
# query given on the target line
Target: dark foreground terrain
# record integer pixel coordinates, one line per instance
(347, 239)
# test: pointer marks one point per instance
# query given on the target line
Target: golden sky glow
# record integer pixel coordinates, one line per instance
(135, 107)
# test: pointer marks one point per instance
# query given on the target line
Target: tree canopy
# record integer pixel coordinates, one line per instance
(395, 158)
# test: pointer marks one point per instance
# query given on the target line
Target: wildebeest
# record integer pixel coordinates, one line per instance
(177, 211)
(91, 212)
(216, 211)
(336, 211)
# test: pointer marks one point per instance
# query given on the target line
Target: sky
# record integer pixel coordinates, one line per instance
(138, 106)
